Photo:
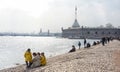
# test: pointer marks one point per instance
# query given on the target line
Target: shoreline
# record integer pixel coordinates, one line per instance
(96, 58)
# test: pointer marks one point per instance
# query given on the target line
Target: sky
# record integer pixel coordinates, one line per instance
(29, 16)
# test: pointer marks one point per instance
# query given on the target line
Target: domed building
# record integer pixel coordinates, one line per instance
(77, 32)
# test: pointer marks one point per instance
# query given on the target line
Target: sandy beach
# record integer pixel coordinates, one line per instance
(94, 59)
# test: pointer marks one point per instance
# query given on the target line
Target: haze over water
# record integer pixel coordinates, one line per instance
(12, 48)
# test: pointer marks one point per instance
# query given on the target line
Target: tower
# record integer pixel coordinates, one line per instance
(75, 24)
(40, 31)
(48, 32)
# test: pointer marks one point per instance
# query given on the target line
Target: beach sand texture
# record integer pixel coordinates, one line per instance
(95, 59)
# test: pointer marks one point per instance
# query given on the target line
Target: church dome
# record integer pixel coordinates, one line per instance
(75, 24)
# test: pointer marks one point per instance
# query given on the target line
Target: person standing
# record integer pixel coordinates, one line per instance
(28, 58)
(103, 41)
(79, 44)
(85, 42)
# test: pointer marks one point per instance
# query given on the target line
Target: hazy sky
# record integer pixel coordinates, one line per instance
(31, 15)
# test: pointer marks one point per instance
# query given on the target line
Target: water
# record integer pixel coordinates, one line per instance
(12, 48)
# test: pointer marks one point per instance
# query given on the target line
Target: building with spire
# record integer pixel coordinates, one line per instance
(77, 32)
(75, 24)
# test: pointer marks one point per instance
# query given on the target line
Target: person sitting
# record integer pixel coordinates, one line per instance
(35, 61)
(94, 43)
(88, 45)
(73, 49)
(39, 57)
(98, 42)
(43, 59)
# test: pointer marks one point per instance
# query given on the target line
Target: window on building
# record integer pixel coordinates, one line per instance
(88, 32)
(102, 32)
(96, 32)
(115, 32)
(109, 33)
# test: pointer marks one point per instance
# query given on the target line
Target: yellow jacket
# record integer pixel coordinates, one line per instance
(28, 56)
(43, 60)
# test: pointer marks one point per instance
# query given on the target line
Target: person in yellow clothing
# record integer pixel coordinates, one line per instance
(43, 59)
(28, 58)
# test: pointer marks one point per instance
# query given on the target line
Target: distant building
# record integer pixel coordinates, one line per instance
(83, 32)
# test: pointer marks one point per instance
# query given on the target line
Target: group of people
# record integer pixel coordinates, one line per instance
(34, 59)
(86, 45)
(79, 44)
(106, 40)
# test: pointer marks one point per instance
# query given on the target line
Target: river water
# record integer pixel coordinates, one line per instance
(12, 49)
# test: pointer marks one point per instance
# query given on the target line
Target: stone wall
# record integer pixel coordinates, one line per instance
(90, 32)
